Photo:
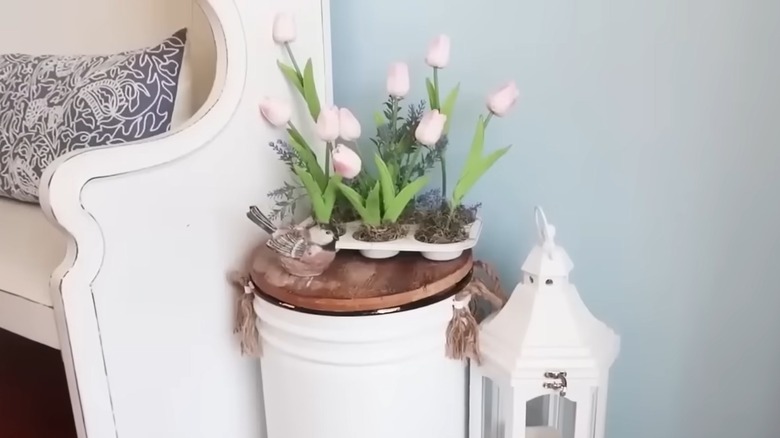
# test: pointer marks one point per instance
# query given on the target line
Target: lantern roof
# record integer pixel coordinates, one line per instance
(545, 323)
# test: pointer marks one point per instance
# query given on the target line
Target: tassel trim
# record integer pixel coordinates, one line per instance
(245, 318)
(463, 329)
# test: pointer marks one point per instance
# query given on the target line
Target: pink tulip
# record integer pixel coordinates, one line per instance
(431, 126)
(276, 111)
(346, 162)
(398, 80)
(439, 52)
(349, 127)
(328, 124)
(503, 99)
(284, 28)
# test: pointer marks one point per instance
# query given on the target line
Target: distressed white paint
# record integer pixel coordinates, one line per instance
(142, 305)
(379, 376)
(545, 327)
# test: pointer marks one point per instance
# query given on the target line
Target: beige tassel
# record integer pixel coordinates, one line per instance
(246, 319)
(463, 330)
(495, 282)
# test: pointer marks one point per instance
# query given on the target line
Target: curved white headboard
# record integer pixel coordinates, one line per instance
(144, 307)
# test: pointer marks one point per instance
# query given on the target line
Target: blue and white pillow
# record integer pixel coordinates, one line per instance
(51, 105)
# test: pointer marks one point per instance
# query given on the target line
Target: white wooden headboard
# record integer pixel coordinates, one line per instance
(145, 310)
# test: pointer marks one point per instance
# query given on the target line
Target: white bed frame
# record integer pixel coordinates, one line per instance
(141, 303)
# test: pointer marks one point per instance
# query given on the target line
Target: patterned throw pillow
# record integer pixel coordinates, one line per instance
(51, 105)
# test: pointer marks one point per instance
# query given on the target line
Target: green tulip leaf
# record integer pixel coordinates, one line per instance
(398, 205)
(373, 207)
(477, 143)
(386, 181)
(292, 76)
(379, 118)
(449, 106)
(474, 172)
(318, 206)
(355, 199)
(308, 158)
(310, 90)
(329, 197)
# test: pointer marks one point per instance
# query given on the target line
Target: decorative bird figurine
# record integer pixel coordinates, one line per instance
(304, 250)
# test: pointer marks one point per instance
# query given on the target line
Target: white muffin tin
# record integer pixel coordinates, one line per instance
(431, 251)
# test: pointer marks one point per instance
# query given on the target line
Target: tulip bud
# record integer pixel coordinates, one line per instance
(346, 162)
(439, 52)
(328, 124)
(398, 80)
(430, 128)
(284, 28)
(349, 127)
(276, 111)
(502, 100)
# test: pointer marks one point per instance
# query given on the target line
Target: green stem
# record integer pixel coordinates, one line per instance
(293, 128)
(328, 149)
(436, 88)
(395, 116)
(443, 161)
(487, 119)
(411, 165)
(292, 59)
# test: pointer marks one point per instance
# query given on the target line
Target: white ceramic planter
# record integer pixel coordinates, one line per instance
(378, 253)
(378, 376)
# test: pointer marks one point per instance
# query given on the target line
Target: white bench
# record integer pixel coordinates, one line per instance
(123, 265)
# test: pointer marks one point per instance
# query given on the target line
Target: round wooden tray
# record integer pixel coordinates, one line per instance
(354, 283)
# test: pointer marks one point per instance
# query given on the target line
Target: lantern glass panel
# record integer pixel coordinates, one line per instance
(551, 416)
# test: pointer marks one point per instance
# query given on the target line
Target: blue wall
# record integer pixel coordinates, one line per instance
(650, 132)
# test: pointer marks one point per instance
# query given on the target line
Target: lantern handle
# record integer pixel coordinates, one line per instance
(546, 231)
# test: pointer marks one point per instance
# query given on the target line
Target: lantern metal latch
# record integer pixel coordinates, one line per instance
(560, 385)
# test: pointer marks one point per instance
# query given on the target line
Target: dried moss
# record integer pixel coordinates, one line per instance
(384, 233)
(439, 225)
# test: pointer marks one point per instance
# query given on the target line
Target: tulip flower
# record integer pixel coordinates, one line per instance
(328, 124)
(346, 162)
(276, 111)
(438, 52)
(284, 28)
(430, 128)
(398, 80)
(349, 127)
(503, 99)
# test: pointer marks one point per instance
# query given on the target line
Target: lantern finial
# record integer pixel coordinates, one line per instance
(546, 258)
(546, 231)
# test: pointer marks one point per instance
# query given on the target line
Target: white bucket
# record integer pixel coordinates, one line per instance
(377, 376)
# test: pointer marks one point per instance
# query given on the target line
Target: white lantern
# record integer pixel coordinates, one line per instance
(545, 357)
